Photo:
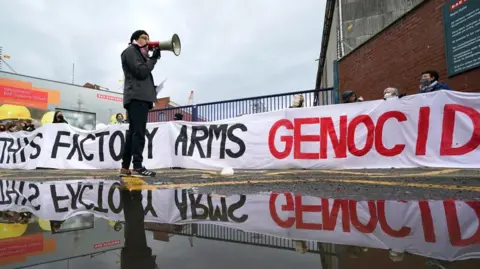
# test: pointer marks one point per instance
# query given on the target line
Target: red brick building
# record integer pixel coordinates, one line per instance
(396, 55)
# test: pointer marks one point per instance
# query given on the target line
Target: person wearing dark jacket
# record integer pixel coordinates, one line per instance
(429, 82)
(178, 116)
(58, 117)
(139, 94)
(350, 97)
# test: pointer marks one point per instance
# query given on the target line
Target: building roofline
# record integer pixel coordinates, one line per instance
(388, 26)
(327, 25)
(55, 81)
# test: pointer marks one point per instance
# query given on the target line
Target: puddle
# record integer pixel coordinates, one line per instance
(100, 223)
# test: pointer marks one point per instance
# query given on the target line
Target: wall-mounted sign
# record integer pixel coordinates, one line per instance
(461, 20)
(109, 97)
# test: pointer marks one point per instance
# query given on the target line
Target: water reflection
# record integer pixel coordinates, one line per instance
(134, 241)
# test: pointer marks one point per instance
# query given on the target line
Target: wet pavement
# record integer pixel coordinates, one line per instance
(408, 184)
(87, 241)
(26, 240)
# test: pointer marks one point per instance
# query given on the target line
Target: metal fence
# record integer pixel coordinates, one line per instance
(236, 107)
(226, 234)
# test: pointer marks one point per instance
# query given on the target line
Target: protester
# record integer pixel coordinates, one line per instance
(27, 126)
(178, 116)
(429, 82)
(2, 128)
(350, 97)
(139, 94)
(390, 93)
(58, 117)
(298, 101)
(120, 118)
(12, 127)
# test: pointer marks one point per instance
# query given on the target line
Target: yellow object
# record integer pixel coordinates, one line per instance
(111, 223)
(48, 117)
(349, 27)
(6, 56)
(8, 112)
(12, 230)
(44, 224)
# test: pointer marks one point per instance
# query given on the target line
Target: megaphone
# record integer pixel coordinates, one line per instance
(172, 45)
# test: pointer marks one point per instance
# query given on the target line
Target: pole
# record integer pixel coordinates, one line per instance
(73, 73)
(1, 57)
(340, 15)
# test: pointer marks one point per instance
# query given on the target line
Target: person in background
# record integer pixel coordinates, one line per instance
(350, 97)
(298, 101)
(178, 116)
(429, 82)
(139, 94)
(120, 118)
(2, 128)
(390, 93)
(27, 126)
(58, 117)
(12, 127)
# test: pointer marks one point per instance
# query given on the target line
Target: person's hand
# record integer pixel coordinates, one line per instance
(156, 54)
(360, 98)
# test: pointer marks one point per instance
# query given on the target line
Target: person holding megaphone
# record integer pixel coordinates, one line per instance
(139, 95)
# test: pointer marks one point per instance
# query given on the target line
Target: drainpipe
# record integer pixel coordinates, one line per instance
(340, 17)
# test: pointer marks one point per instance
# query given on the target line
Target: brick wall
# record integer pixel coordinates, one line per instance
(397, 56)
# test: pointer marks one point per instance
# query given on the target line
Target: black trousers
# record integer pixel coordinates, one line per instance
(137, 114)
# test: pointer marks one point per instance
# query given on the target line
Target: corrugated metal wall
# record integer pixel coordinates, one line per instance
(362, 19)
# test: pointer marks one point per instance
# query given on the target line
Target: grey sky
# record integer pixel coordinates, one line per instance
(230, 49)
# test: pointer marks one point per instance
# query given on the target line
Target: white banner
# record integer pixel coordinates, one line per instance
(440, 129)
(447, 230)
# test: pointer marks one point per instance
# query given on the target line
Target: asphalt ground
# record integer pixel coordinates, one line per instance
(390, 184)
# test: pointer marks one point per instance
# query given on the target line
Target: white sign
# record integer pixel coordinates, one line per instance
(439, 129)
(447, 230)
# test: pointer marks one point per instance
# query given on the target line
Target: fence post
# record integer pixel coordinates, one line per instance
(336, 83)
(194, 113)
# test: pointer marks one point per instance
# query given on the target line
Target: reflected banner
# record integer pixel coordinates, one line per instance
(438, 129)
(447, 230)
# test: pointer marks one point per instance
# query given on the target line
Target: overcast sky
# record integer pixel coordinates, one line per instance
(230, 49)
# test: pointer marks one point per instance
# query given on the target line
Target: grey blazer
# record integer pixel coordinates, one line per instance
(139, 83)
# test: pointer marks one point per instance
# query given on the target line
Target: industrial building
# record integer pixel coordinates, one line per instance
(369, 45)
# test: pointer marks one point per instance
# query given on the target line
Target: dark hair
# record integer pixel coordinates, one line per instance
(346, 95)
(137, 34)
(178, 116)
(55, 120)
(432, 73)
(119, 114)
